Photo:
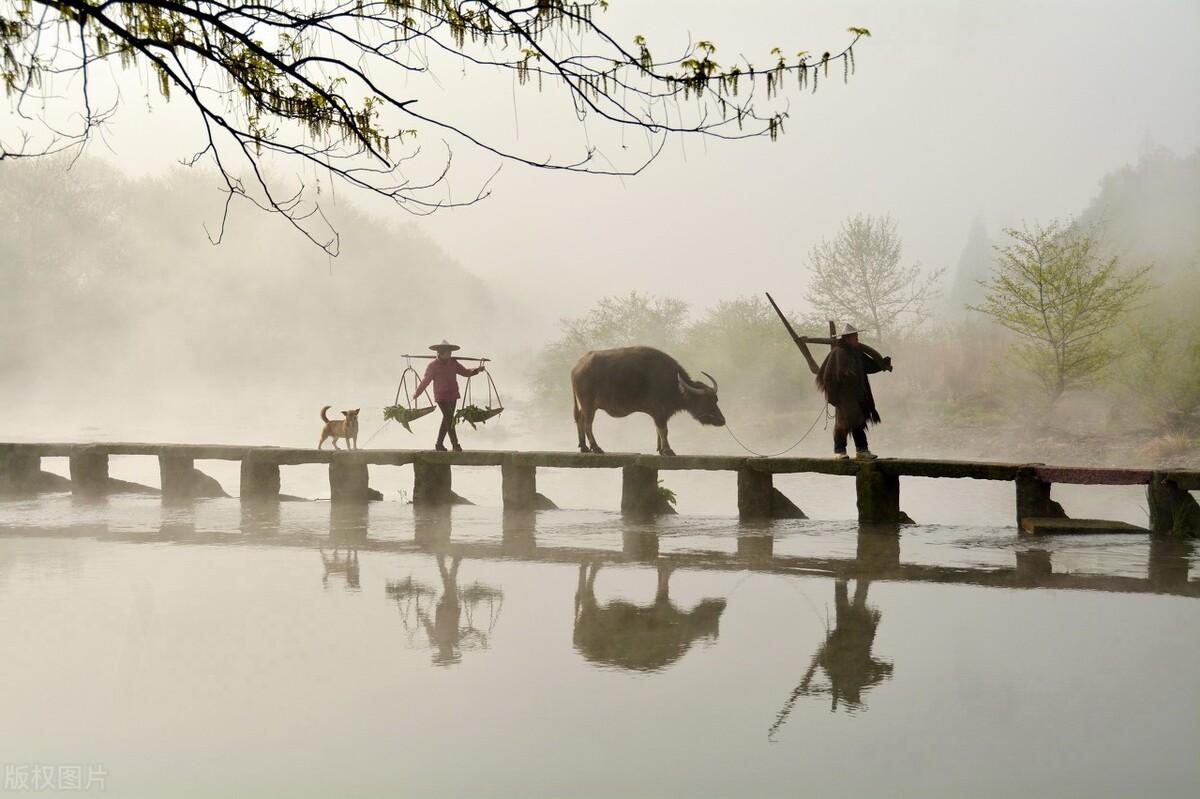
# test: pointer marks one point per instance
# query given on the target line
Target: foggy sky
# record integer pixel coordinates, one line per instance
(958, 110)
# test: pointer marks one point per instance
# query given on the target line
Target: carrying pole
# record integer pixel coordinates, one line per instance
(801, 341)
(455, 357)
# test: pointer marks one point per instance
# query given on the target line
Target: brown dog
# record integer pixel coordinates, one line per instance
(340, 428)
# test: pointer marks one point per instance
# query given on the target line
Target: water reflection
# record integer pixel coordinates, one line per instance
(1170, 559)
(456, 621)
(102, 634)
(756, 545)
(180, 526)
(347, 531)
(431, 527)
(877, 555)
(451, 618)
(259, 519)
(639, 544)
(1033, 565)
(348, 525)
(877, 549)
(635, 637)
(518, 536)
(343, 566)
(843, 667)
(846, 654)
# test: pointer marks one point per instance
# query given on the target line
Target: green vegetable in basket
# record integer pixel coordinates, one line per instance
(474, 415)
(403, 415)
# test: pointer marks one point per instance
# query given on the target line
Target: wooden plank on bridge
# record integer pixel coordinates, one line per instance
(1079, 475)
(39, 450)
(976, 470)
(1187, 480)
(802, 466)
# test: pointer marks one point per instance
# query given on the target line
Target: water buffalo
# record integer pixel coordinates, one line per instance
(638, 379)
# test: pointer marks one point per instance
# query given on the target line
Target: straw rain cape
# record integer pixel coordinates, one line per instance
(843, 378)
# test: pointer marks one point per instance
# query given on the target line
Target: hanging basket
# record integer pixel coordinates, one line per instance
(403, 415)
(474, 415)
(407, 412)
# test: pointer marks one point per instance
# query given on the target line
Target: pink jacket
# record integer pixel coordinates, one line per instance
(444, 376)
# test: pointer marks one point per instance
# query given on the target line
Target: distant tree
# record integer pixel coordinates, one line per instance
(623, 321)
(858, 278)
(1052, 288)
(742, 343)
(974, 264)
(343, 88)
(1162, 371)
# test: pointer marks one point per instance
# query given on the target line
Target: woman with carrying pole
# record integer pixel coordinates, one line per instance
(443, 372)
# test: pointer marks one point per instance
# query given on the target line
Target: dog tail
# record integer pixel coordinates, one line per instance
(325, 418)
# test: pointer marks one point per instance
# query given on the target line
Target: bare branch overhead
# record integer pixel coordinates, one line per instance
(342, 88)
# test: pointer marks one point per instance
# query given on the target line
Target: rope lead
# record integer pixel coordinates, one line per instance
(823, 412)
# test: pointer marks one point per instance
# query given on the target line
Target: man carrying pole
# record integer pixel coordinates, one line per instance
(842, 376)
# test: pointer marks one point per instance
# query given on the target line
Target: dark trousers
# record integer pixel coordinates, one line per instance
(839, 439)
(447, 423)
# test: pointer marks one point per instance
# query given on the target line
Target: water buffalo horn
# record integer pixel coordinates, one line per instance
(712, 379)
(687, 388)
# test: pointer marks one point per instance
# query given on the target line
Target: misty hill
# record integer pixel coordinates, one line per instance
(1147, 212)
(107, 280)
(1143, 213)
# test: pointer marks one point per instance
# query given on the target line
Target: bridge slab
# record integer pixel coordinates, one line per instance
(518, 485)
(1033, 497)
(878, 496)
(348, 483)
(20, 472)
(89, 473)
(1173, 511)
(754, 494)
(639, 491)
(259, 480)
(176, 477)
(431, 484)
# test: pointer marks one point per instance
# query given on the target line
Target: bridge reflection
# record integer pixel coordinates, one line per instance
(877, 556)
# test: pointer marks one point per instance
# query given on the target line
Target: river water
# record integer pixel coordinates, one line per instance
(217, 649)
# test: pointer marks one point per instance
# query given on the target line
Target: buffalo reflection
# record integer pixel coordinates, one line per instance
(639, 638)
(451, 627)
